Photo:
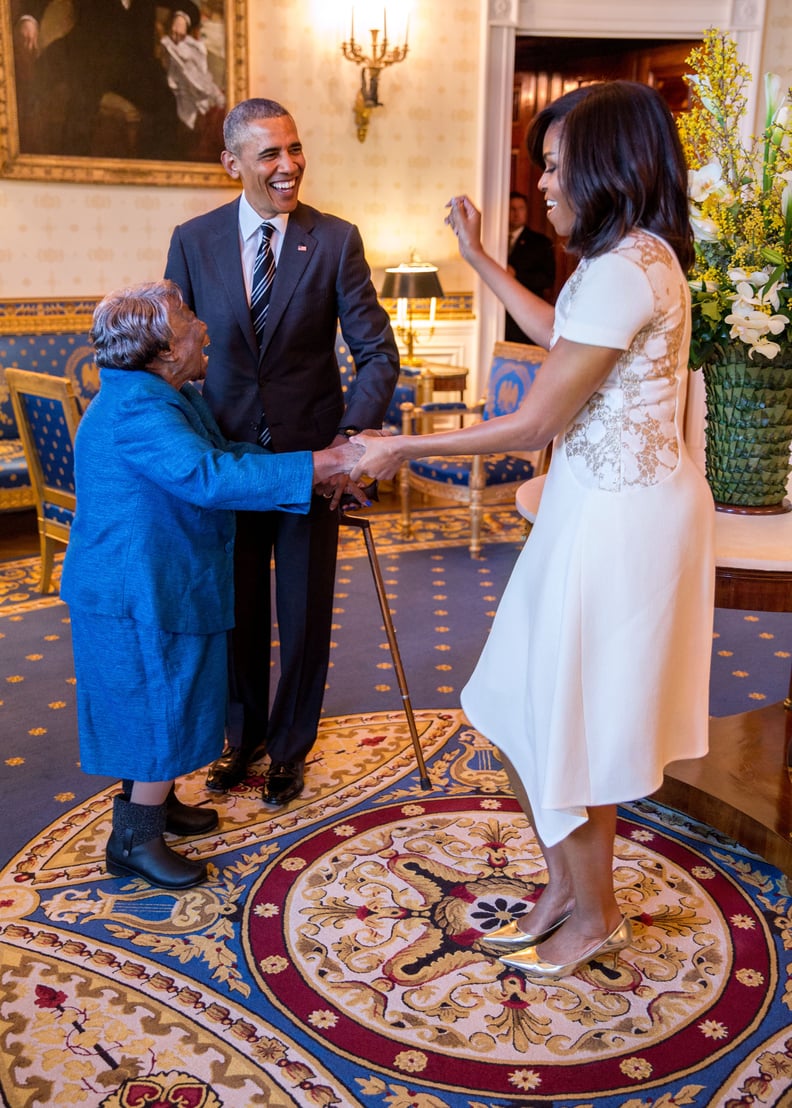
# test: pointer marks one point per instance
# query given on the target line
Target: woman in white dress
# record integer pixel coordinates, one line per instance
(596, 672)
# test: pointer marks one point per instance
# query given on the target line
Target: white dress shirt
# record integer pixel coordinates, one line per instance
(250, 237)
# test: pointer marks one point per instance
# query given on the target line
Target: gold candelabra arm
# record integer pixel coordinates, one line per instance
(380, 57)
(408, 336)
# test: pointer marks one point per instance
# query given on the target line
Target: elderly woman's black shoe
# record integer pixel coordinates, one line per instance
(188, 819)
(136, 848)
(182, 819)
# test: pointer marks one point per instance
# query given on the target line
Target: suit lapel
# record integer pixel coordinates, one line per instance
(228, 263)
(298, 247)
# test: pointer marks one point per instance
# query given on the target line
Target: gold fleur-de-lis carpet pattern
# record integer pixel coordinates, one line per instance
(338, 955)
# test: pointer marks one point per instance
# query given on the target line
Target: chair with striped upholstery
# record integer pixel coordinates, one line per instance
(478, 481)
(47, 413)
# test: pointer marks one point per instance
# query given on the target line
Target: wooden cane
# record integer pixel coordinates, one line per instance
(364, 525)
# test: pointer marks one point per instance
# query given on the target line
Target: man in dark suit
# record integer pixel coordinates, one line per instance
(284, 391)
(531, 260)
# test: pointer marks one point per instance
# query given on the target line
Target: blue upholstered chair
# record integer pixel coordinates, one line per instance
(481, 480)
(47, 413)
(40, 337)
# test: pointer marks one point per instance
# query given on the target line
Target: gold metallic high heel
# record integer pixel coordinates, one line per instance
(529, 962)
(511, 935)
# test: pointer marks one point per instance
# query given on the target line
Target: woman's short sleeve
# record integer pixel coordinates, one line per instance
(609, 300)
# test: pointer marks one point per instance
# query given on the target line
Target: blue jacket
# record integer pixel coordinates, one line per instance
(157, 486)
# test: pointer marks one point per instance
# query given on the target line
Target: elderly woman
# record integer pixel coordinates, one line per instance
(148, 571)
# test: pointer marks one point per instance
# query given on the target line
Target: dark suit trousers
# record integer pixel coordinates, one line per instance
(304, 548)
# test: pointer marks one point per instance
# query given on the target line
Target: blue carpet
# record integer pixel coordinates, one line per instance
(442, 604)
(337, 955)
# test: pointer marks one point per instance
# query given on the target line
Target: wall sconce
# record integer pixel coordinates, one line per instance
(406, 283)
(381, 55)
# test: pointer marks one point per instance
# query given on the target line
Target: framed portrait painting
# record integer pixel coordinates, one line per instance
(119, 91)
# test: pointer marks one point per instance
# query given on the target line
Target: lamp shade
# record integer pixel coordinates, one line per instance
(411, 282)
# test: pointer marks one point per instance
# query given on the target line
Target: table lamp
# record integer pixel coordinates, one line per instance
(406, 283)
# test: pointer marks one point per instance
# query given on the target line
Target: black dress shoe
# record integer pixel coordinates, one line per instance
(284, 782)
(229, 769)
(188, 819)
(154, 861)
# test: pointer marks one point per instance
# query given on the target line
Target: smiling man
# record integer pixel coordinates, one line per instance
(273, 278)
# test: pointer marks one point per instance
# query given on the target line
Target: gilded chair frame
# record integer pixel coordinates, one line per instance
(21, 384)
(477, 494)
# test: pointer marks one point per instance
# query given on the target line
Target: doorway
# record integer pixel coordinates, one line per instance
(547, 67)
(617, 21)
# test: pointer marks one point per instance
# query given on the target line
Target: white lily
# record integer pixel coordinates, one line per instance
(751, 325)
(764, 346)
(706, 182)
(756, 323)
(753, 280)
(704, 229)
(756, 295)
(775, 95)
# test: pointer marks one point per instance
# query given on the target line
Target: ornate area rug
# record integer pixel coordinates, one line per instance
(338, 954)
(338, 957)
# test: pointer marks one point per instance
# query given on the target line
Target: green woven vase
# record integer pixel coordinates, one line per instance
(749, 429)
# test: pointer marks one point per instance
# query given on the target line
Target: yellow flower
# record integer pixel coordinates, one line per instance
(740, 208)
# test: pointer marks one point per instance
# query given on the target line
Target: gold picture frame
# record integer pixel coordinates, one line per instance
(41, 141)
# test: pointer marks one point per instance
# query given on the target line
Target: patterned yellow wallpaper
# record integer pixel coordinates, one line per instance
(72, 240)
(777, 44)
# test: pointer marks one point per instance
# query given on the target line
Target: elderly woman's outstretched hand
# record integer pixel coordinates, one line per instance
(464, 219)
(384, 454)
(331, 467)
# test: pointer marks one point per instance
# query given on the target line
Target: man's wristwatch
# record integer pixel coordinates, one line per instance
(349, 431)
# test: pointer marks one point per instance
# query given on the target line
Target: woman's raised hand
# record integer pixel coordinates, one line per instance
(464, 219)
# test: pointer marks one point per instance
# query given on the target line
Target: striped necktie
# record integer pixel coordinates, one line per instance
(263, 276)
(261, 287)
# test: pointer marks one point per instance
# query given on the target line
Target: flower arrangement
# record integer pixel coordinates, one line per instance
(741, 209)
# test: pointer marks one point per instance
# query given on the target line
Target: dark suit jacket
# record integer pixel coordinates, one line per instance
(533, 262)
(322, 279)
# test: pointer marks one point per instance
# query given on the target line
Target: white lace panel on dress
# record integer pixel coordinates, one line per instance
(628, 433)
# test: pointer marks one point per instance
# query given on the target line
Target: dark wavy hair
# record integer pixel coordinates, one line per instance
(622, 166)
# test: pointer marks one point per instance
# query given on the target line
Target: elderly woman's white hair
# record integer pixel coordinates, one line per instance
(131, 326)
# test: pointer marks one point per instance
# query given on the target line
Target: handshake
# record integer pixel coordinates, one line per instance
(346, 474)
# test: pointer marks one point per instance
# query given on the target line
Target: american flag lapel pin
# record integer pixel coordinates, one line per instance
(302, 247)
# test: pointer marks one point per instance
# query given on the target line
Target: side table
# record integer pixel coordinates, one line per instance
(435, 377)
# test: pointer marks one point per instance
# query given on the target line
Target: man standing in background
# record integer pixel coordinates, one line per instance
(531, 260)
(272, 279)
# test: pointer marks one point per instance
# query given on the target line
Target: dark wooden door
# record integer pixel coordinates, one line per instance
(545, 68)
